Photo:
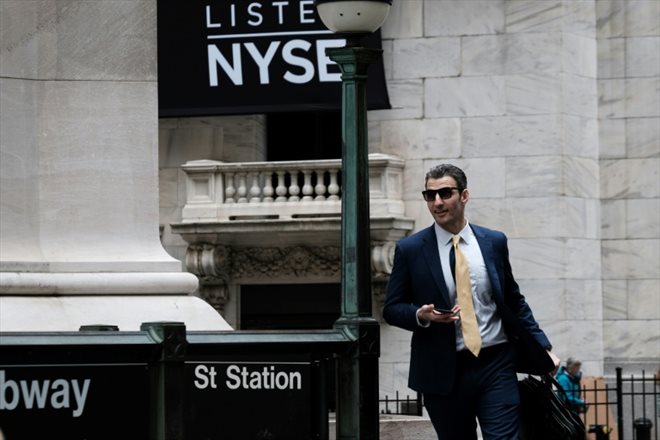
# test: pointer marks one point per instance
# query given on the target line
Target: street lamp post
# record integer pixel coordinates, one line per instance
(357, 370)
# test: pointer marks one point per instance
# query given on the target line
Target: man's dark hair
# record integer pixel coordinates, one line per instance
(446, 169)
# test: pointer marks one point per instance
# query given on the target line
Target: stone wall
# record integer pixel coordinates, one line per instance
(629, 125)
(551, 107)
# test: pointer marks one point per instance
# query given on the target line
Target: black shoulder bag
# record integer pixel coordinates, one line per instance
(543, 414)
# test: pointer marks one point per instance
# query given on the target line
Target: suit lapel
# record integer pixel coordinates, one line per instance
(432, 257)
(486, 246)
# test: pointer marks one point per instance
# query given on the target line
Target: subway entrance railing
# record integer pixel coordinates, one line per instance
(163, 383)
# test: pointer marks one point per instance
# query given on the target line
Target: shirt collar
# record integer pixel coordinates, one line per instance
(445, 236)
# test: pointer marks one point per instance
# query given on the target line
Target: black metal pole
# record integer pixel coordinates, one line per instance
(357, 370)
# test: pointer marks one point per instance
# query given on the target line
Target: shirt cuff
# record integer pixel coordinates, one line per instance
(421, 323)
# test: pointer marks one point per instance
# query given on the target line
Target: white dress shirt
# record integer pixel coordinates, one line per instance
(490, 323)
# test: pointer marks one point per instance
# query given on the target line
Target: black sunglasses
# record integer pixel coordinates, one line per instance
(444, 193)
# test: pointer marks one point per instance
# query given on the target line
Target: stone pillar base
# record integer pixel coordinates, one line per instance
(68, 313)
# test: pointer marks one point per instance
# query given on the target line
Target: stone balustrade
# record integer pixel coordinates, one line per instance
(221, 191)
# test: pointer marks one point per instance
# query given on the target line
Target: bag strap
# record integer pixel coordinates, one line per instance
(550, 380)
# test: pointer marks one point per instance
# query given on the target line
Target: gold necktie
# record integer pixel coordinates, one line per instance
(469, 323)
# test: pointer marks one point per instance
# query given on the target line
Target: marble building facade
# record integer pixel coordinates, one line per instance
(553, 110)
(551, 106)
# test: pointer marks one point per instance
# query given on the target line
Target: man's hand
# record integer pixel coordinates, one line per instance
(555, 361)
(428, 313)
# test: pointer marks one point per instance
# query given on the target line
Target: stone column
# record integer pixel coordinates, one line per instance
(79, 171)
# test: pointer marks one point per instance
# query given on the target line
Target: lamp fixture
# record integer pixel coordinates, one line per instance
(353, 16)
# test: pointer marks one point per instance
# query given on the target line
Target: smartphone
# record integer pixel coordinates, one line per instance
(443, 311)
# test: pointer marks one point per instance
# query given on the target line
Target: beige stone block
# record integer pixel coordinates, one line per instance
(533, 94)
(533, 258)
(579, 18)
(613, 219)
(611, 98)
(28, 45)
(529, 15)
(98, 174)
(178, 146)
(584, 300)
(493, 213)
(579, 96)
(585, 339)
(613, 138)
(642, 97)
(550, 16)
(484, 55)
(644, 299)
(631, 259)
(545, 297)
(615, 299)
(168, 188)
(631, 178)
(466, 96)
(19, 168)
(643, 56)
(580, 136)
(610, 18)
(642, 17)
(633, 18)
(413, 181)
(611, 58)
(643, 137)
(512, 136)
(406, 98)
(538, 176)
(404, 20)
(582, 259)
(618, 336)
(643, 218)
(535, 217)
(455, 17)
(426, 58)
(581, 177)
(579, 55)
(109, 40)
(486, 176)
(511, 54)
(421, 138)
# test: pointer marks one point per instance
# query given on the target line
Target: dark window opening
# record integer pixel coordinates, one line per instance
(303, 136)
(290, 306)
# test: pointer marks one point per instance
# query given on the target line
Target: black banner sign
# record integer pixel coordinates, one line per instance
(242, 400)
(219, 57)
(76, 402)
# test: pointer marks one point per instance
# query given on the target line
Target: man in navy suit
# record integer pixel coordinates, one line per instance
(458, 385)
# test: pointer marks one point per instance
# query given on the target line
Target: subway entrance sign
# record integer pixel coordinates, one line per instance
(163, 383)
(250, 399)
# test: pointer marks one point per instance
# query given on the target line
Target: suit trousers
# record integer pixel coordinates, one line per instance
(485, 388)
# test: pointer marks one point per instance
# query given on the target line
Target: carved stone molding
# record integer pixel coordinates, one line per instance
(298, 261)
(382, 258)
(217, 266)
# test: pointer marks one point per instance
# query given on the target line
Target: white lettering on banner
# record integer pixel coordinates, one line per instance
(262, 61)
(266, 378)
(234, 69)
(289, 57)
(34, 393)
(256, 12)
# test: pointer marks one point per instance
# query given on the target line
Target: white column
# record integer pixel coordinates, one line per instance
(79, 171)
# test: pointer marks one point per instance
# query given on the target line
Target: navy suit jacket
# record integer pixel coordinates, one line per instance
(417, 279)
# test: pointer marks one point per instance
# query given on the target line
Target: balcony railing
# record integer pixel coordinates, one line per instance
(225, 192)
